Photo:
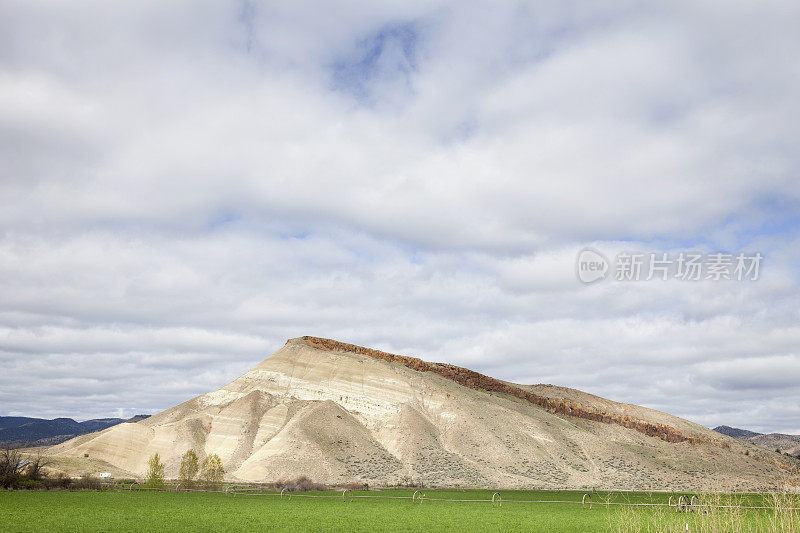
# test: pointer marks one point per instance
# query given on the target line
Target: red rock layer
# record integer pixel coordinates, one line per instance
(475, 380)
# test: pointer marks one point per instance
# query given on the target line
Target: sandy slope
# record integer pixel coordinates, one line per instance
(340, 416)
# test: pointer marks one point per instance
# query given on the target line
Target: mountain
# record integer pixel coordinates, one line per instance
(7, 422)
(772, 441)
(26, 431)
(736, 433)
(341, 413)
(137, 418)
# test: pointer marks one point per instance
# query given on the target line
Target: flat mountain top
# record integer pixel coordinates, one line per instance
(339, 413)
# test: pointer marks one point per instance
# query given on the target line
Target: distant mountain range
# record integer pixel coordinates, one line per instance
(773, 441)
(19, 431)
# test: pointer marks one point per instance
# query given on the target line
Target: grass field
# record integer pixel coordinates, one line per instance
(169, 511)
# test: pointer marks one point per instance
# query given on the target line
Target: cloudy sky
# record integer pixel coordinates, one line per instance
(185, 185)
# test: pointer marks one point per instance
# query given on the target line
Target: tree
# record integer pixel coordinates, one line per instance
(11, 467)
(155, 472)
(189, 467)
(35, 468)
(16, 469)
(211, 473)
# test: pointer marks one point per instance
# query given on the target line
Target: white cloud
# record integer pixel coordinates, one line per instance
(186, 186)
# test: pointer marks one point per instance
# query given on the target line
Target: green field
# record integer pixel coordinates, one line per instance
(169, 511)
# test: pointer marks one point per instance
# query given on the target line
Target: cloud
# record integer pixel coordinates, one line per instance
(183, 187)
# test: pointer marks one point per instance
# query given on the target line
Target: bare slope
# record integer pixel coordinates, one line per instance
(778, 441)
(772, 441)
(339, 413)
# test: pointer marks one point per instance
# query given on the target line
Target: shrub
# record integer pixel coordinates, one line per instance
(301, 484)
(27, 484)
(412, 483)
(87, 482)
(61, 481)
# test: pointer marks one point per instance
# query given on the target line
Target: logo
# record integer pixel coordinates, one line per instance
(591, 265)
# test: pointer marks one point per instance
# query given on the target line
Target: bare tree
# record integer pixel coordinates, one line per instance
(35, 468)
(11, 467)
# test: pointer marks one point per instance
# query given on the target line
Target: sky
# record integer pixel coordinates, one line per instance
(185, 185)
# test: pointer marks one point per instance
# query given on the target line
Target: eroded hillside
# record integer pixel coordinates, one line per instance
(340, 413)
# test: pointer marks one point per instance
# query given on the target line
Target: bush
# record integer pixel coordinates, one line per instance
(28, 484)
(300, 484)
(87, 482)
(411, 483)
(60, 482)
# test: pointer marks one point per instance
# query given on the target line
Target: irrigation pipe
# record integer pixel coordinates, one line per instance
(416, 497)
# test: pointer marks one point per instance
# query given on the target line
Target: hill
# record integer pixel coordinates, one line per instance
(340, 413)
(25, 431)
(736, 433)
